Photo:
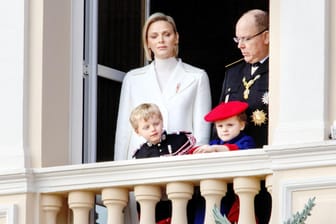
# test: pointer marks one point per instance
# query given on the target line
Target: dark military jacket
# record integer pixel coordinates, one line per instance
(171, 144)
(257, 112)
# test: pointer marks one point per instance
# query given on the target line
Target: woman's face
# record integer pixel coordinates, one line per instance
(162, 39)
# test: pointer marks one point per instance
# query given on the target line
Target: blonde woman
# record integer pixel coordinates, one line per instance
(181, 91)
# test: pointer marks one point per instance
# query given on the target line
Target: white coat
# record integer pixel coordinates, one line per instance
(184, 102)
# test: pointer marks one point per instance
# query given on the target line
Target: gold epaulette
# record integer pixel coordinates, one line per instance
(235, 62)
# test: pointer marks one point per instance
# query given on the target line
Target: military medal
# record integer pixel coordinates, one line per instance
(264, 98)
(259, 117)
(247, 86)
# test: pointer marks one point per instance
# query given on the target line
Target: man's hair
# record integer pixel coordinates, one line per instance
(144, 112)
(261, 18)
(158, 16)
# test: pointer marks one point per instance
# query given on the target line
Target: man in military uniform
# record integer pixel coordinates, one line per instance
(247, 79)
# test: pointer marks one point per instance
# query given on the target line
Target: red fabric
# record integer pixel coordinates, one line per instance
(232, 147)
(164, 221)
(226, 110)
(191, 151)
(233, 214)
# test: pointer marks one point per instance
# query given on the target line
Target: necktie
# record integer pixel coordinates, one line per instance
(254, 67)
(257, 64)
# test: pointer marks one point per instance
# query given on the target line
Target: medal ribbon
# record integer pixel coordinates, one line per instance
(247, 86)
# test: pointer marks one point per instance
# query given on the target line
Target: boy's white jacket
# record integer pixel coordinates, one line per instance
(184, 102)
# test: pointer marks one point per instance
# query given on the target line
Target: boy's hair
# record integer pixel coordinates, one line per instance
(242, 117)
(144, 111)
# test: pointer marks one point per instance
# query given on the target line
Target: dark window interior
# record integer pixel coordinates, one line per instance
(119, 34)
(107, 112)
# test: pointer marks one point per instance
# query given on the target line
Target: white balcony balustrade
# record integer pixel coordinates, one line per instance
(177, 177)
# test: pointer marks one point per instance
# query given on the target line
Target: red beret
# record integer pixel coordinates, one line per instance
(226, 110)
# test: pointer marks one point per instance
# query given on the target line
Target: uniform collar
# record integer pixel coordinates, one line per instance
(234, 140)
(163, 137)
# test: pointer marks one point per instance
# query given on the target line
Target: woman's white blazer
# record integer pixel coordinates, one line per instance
(184, 102)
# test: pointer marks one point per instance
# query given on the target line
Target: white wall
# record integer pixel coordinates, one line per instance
(300, 70)
(12, 39)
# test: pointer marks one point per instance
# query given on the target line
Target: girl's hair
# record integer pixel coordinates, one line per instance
(154, 18)
(144, 111)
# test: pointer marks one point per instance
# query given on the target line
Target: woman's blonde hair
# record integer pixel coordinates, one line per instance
(158, 16)
(144, 111)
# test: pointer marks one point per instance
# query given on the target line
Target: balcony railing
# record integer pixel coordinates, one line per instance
(78, 184)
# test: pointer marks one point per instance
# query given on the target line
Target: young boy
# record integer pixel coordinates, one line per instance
(230, 120)
(146, 120)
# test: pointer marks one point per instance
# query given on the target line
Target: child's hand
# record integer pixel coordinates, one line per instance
(211, 148)
(203, 149)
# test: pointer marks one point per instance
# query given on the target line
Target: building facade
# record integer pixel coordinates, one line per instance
(43, 179)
